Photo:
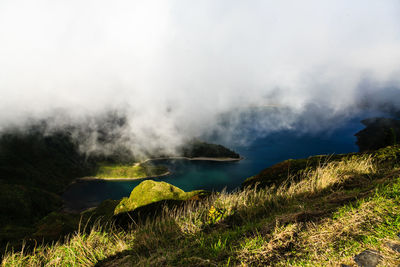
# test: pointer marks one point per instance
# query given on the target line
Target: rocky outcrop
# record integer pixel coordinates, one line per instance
(148, 192)
(368, 258)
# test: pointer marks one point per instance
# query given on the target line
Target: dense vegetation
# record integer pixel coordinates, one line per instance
(34, 168)
(379, 132)
(37, 159)
(195, 149)
(334, 211)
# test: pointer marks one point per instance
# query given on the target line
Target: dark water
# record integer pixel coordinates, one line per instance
(191, 175)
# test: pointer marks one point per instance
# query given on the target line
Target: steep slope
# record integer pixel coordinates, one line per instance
(34, 168)
(341, 212)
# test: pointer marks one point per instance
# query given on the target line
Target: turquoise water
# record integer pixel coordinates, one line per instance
(191, 175)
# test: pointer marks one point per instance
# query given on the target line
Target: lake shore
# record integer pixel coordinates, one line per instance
(122, 178)
(194, 159)
(93, 178)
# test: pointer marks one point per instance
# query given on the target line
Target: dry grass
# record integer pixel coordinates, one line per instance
(330, 174)
(252, 227)
(82, 249)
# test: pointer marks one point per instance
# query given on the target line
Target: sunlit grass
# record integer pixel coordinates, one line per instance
(81, 249)
(132, 171)
(316, 221)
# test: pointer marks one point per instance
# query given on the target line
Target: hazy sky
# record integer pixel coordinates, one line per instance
(175, 66)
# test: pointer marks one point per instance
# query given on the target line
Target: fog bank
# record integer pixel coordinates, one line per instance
(181, 69)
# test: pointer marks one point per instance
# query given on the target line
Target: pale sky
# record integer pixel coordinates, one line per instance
(196, 59)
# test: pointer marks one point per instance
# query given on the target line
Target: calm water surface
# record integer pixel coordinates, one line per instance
(192, 175)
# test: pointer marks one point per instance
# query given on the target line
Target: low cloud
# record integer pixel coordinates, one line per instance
(181, 69)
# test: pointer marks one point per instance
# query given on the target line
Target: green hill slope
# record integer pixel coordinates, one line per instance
(340, 211)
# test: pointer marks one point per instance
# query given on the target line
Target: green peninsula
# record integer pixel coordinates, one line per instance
(115, 171)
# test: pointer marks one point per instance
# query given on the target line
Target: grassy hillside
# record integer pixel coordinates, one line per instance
(45, 161)
(34, 169)
(325, 216)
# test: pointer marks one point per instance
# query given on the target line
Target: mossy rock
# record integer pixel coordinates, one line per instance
(148, 192)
